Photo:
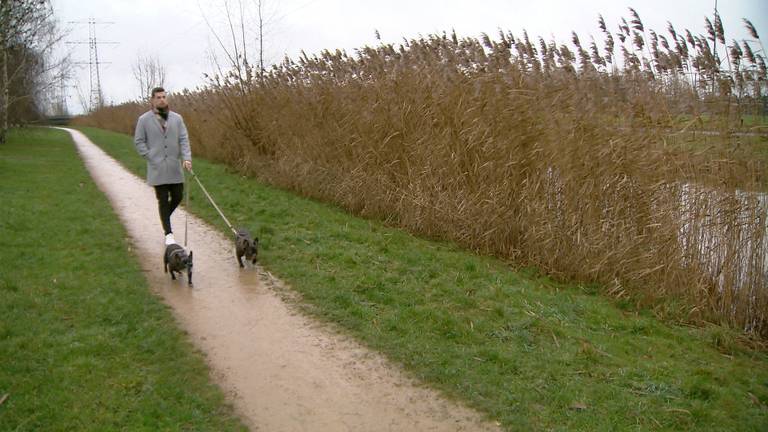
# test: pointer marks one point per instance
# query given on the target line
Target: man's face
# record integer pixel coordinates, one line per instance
(159, 101)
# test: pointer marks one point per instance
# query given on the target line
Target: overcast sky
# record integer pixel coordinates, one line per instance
(177, 33)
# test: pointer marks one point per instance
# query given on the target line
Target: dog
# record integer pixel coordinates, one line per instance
(246, 245)
(177, 260)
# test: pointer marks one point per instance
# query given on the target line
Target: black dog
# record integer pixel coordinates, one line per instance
(177, 260)
(247, 246)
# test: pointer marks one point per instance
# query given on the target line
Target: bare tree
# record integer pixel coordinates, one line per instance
(260, 27)
(242, 21)
(52, 100)
(149, 73)
(82, 99)
(28, 36)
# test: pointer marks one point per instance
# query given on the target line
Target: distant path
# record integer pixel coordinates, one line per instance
(282, 370)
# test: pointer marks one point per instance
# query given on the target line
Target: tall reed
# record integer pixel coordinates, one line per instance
(534, 152)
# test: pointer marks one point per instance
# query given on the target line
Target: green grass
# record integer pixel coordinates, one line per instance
(708, 121)
(84, 345)
(531, 353)
(748, 145)
(754, 120)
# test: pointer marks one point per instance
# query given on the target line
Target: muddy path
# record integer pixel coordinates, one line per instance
(281, 370)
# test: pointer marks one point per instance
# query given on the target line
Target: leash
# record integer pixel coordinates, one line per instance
(186, 212)
(205, 191)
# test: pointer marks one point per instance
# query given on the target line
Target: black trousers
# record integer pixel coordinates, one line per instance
(168, 198)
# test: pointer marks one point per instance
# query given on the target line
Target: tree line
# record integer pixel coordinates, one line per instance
(29, 72)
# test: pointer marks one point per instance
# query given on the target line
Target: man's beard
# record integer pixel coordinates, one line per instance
(163, 111)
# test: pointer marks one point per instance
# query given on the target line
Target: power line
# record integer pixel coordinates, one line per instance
(97, 97)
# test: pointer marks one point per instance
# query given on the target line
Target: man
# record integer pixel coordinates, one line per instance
(161, 139)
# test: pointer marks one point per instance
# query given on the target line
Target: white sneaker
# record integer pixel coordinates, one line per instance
(169, 240)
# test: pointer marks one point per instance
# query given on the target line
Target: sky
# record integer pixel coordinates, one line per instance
(180, 33)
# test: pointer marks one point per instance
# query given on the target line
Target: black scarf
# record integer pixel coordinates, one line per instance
(163, 112)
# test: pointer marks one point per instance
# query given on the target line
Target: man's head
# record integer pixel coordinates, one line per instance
(158, 99)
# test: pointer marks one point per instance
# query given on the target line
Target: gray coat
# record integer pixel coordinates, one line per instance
(163, 150)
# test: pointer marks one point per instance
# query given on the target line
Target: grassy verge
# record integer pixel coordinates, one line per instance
(750, 120)
(531, 353)
(84, 345)
(711, 122)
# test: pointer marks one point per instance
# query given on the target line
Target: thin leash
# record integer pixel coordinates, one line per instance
(205, 191)
(186, 213)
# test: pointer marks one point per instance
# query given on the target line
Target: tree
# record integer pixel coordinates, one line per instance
(149, 73)
(28, 35)
(240, 24)
(244, 76)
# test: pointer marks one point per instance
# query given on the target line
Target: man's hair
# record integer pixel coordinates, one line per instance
(157, 90)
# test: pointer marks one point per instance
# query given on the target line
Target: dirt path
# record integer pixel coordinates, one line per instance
(282, 370)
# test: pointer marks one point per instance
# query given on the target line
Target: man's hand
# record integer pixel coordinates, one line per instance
(188, 165)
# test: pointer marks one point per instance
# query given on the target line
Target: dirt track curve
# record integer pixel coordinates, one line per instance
(281, 370)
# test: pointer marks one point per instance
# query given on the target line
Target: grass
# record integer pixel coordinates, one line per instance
(746, 147)
(558, 155)
(531, 353)
(709, 122)
(751, 120)
(84, 343)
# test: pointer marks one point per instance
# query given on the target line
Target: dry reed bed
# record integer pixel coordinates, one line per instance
(536, 156)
